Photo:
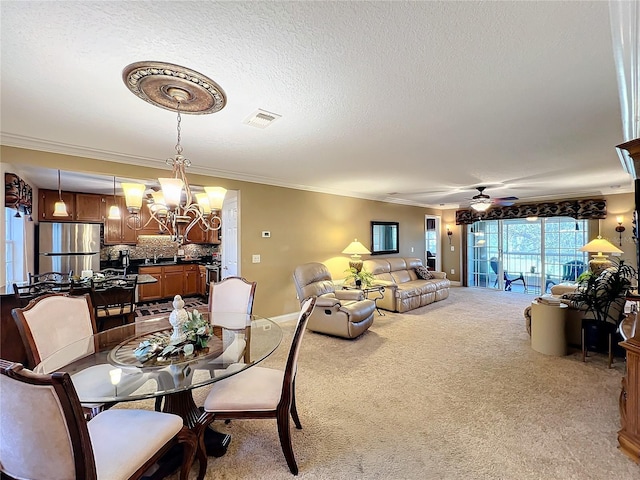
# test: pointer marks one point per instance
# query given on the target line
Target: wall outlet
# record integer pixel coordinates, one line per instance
(453, 271)
(255, 258)
(266, 234)
(453, 248)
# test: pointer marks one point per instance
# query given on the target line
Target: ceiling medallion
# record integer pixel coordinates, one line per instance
(161, 84)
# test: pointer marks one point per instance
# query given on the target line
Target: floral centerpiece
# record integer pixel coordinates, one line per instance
(196, 331)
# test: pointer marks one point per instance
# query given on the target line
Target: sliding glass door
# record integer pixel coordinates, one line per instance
(524, 255)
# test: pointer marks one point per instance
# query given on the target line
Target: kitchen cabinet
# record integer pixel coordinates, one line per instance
(89, 207)
(172, 280)
(150, 291)
(81, 207)
(191, 279)
(202, 280)
(117, 232)
(48, 198)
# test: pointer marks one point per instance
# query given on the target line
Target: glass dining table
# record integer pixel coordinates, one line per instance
(139, 361)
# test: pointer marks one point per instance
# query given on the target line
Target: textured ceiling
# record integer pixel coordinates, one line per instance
(415, 102)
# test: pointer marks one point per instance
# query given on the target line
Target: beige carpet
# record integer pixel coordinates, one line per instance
(449, 391)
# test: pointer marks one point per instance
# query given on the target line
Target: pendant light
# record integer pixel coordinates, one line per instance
(59, 208)
(114, 211)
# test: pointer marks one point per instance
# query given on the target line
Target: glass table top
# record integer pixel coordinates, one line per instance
(107, 367)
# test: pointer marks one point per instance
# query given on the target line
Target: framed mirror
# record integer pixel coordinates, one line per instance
(384, 237)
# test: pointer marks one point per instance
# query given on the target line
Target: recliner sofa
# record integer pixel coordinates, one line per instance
(342, 313)
(404, 290)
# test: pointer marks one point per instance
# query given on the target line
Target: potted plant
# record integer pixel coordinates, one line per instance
(360, 278)
(602, 297)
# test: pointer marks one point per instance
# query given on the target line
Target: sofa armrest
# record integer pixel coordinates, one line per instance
(349, 294)
(439, 275)
(327, 300)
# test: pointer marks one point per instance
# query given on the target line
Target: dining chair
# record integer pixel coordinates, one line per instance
(115, 299)
(42, 416)
(25, 293)
(233, 295)
(260, 392)
(113, 272)
(50, 277)
(53, 321)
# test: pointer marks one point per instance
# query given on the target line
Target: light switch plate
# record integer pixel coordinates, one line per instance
(255, 258)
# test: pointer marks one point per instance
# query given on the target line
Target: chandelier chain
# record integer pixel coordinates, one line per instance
(178, 146)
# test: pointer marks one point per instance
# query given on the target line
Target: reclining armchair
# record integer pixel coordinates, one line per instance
(342, 313)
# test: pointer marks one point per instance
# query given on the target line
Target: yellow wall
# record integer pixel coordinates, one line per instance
(305, 226)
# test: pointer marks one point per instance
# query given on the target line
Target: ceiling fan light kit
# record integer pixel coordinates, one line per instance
(481, 202)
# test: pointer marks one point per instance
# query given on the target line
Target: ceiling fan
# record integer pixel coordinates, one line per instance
(482, 202)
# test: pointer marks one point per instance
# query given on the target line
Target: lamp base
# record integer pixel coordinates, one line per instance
(357, 264)
(598, 263)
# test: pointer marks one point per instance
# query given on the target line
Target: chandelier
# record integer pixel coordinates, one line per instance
(175, 208)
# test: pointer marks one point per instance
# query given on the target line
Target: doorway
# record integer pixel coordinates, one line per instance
(525, 255)
(432, 253)
(230, 245)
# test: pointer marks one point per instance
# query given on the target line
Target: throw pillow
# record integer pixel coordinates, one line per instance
(423, 273)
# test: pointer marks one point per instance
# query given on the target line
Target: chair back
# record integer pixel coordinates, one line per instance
(42, 416)
(25, 293)
(53, 321)
(113, 272)
(114, 298)
(312, 280)
(493, 261)
(232, 295)
(291, 367)
(59, 277)
(573, 269)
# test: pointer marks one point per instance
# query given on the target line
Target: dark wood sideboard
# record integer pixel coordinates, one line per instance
(11, 346)
(629, 434)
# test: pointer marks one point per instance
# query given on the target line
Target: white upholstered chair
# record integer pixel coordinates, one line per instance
(260, 392)
(42, 416)
(233, 296)
(53, 321)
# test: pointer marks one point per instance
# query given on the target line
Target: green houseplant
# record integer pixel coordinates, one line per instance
(360, 278)
(602, 296)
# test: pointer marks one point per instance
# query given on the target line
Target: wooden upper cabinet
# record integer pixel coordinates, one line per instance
(89, 207)
(48, 198)
(117, 231)
(81, 207)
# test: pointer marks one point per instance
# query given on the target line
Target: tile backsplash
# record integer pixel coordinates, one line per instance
(159, 245)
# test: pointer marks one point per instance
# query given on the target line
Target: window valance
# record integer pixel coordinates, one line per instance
(17, 194)
(578, 209)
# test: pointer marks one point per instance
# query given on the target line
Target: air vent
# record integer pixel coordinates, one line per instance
(261, 118)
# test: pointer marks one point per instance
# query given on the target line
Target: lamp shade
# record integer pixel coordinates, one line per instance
(600, 245)
(60, 209)
(216, 196)
(133, 193)
(356, 248)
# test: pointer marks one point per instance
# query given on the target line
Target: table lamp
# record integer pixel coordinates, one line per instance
(355, 249)
(599, 261)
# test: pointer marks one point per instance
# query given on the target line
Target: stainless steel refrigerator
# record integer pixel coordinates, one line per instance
(63, 247)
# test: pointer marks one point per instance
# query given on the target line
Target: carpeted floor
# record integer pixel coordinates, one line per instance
(449, 391)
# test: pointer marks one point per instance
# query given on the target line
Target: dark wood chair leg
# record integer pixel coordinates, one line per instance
(294, 409)
(285, 441)
(584, 347)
